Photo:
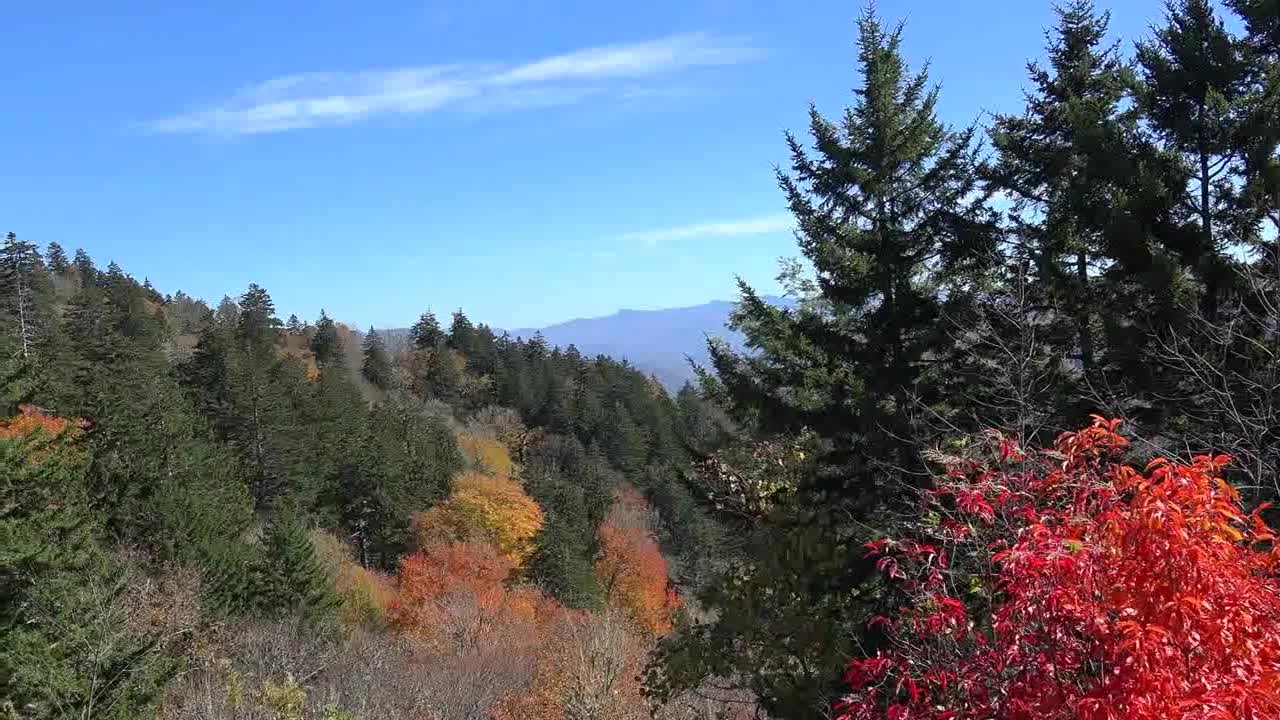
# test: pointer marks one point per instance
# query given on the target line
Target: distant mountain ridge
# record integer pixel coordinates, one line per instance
(660, 342)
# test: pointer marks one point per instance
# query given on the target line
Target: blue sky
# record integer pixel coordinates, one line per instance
(529, 161)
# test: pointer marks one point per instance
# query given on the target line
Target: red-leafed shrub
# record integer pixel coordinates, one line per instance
(1064, 584)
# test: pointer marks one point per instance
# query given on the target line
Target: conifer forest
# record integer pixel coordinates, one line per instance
(1009, 451)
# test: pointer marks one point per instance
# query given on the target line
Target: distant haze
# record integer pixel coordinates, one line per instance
(660, 342)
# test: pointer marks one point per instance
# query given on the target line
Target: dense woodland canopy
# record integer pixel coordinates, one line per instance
(211, 512)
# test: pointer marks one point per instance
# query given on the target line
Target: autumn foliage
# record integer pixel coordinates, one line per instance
(1065, 584)
(632, 570)
(486, 508)
(363, 594)
(31, 420)
(457, 595)
(486, 454)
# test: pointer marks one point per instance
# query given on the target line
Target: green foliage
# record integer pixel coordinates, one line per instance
(377, 364)
(436, 375)
(68, 651)
(889, 207)
(84, 267)
(295, 579)
(426, 333)
(574, 491)
(378, 467)
(325, 342)
(461, 332)
(56, 259)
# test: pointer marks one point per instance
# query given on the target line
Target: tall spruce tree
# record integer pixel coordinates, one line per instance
(84, 267)
(1261, 131)
(377, 364)
(22, 275)
(425, 333)
(892, 215)
(1089, 194)
(888, 209)
(1057, 162)
(56, 259)
(295, 579)
(1195, 82)
(265, 392)
(461, 332)
(325, 342)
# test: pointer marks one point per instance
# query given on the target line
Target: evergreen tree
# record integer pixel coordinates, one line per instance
(227, 315)
(151, 292)
(377, 364)
(891, 215)
(574, 493)
(267, 427)
(887, 211)
(1195, 80)
(265, 391)
(562, 563)
(461, 332)
(206, 377)
(1261, 131)
(85, 270)
(1262, 20)
(624, 440)
(293, 325)
(57, 259)
(325, 343)
(1058, 162)
(335, 420)
(22, 275)
(34, 359)
(255, 317)
(418, 456)
(437, 375)
(425, 333)
(61, 612)
(704, 427)
(295, 579)
(1089, 198)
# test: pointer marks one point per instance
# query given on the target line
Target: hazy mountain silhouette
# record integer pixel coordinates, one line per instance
(656, 341)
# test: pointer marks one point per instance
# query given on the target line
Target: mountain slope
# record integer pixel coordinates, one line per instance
(660, 342)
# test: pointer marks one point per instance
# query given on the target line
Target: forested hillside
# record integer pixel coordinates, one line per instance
(209, 512)
(1008, 450)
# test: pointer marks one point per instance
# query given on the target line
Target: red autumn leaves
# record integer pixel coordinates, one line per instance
(1065, 584)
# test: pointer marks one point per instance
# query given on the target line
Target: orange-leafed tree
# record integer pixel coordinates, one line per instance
(484, 508)
(631, 569)
(31, 421)
(457, 595)
(1066, 584)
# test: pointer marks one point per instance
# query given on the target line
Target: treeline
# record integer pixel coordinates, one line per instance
(1110, 249)
(172, 468)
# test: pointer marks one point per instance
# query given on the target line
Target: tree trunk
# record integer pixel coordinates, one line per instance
(1084, 311)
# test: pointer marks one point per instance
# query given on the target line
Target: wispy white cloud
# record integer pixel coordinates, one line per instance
(667, 54)
(731, 228)
(339, 98)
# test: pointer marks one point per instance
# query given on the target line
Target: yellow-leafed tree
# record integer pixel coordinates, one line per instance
(486, 454)
(488, 508)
